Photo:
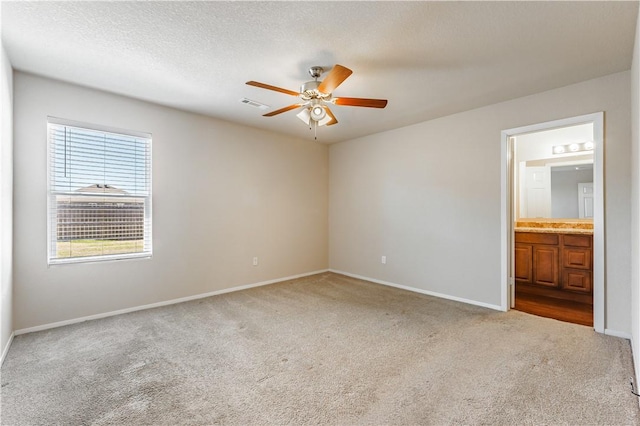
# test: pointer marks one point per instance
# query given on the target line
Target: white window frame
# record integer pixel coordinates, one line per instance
(148, 226)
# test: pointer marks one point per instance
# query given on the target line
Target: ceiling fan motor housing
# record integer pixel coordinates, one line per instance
(309, 91)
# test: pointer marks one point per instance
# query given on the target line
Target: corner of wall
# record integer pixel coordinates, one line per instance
(635, 203)
(6, 203)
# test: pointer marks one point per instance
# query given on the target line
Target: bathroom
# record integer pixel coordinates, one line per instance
(553, 208)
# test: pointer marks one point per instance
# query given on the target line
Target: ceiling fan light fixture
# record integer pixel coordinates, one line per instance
(318, 112)
(305, 116)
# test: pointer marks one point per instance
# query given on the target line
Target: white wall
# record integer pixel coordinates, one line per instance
(6, 200)
(635, 198)
(222, 193)
(427, 196)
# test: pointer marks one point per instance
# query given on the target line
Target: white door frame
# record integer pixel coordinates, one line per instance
(507, 231)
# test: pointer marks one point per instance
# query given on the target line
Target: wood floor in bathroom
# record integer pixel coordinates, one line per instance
(562, 310)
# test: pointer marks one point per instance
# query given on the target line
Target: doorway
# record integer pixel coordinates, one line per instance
(520, 147)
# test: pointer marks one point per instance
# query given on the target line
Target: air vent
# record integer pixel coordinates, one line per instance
(254, 103)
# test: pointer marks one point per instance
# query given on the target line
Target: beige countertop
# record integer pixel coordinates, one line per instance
(555, 230)
(556, 226)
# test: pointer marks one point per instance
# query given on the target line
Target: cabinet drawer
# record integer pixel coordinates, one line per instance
(576, 280)
(577, 240)
(534, 238)
(576, 258)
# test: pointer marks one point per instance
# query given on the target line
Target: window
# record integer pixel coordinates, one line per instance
(99, 193)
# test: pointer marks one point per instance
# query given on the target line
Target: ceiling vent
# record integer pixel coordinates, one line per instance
(255, 104)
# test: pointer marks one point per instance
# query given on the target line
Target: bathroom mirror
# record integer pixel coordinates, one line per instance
(556, 188)
(553, 177)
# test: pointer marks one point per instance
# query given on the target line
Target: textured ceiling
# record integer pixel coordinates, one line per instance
(429, 59)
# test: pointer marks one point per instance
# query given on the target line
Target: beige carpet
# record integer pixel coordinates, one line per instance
(325, 349)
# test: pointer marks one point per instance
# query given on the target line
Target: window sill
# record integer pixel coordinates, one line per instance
(94, 259)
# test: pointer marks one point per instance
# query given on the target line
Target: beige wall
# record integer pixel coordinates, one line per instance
(427, 196)
(222, 193)
(6, 200)
(635, 200)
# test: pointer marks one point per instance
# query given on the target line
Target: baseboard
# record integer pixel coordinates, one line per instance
(616, 333)
(159, 304)
(419, 290)
(6, 349)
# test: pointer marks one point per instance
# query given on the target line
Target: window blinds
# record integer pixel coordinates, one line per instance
(99, 203)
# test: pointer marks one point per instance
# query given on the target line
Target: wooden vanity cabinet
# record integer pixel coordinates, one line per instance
(555, 265)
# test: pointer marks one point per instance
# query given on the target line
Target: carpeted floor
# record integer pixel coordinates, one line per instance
(325, 349)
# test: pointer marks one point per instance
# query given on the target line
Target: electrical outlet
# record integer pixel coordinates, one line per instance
(255, 261)
(383, 260)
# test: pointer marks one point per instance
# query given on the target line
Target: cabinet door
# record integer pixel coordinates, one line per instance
(576, 258)
(545, 266)
(524, 263)
(576, 280)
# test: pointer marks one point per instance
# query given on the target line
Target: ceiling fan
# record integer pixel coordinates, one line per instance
(315, 97)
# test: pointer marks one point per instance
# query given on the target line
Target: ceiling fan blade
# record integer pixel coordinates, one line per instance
(270, 87)
(336, 76)
(333, 120)
(361, 102)
(281, 110)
